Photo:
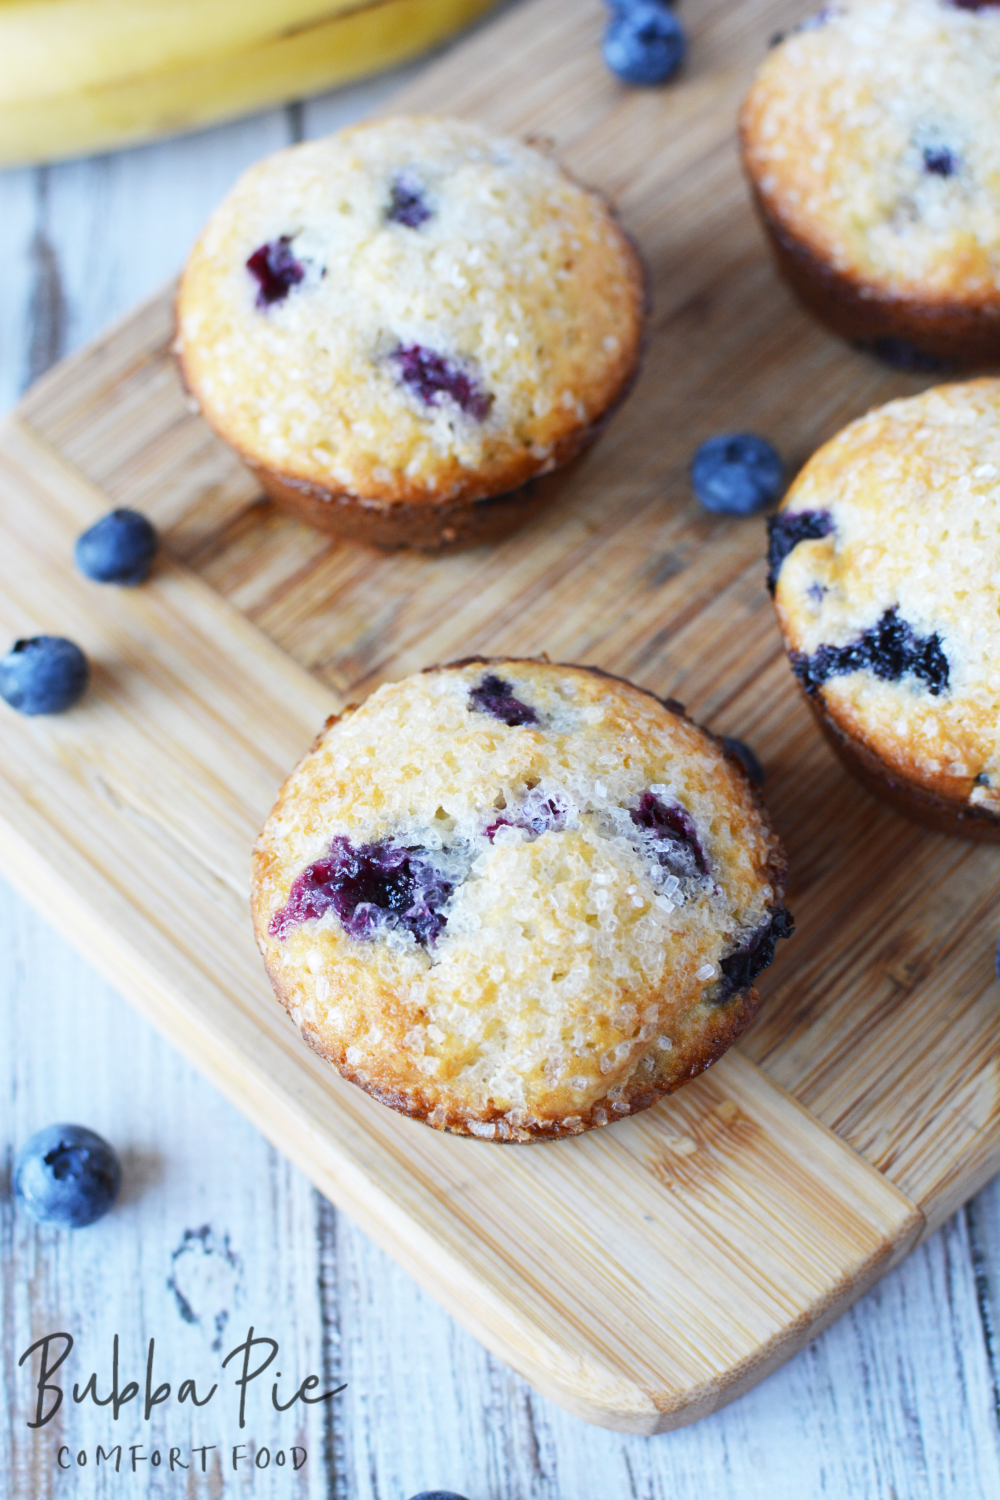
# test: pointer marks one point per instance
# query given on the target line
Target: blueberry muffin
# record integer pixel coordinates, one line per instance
(885, 567)
(871, 136)
(518, 900)
(402, 326)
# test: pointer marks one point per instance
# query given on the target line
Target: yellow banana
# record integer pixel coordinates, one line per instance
(56, 46)
(78, 76)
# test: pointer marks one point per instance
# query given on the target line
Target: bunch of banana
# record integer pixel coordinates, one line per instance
(78, 76)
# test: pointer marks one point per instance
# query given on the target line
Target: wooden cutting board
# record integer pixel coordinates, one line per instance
(645, 1274)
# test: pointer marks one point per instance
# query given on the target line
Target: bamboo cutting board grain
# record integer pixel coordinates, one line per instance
(642, 1275)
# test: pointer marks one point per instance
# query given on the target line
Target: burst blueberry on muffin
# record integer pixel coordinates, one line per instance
(401, 326)
(885, 564)
(871, 137)
(518, 900)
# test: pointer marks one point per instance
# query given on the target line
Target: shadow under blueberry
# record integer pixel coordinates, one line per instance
(142, 1169)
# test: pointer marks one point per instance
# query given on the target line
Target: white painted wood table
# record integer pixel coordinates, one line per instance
(215, 1232)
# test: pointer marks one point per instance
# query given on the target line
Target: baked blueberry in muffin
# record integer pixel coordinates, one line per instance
(872, 142)
(402, 326)
(885, 564)
(518, 900)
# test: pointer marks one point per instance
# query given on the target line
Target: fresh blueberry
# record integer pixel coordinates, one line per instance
(746, 758)
(644, 43)
(43, 675)
(736, 474)
(437, 1495)
(119, 548)
(66, 1175)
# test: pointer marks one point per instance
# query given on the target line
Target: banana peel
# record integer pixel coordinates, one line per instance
(56, 46)
(115, 89)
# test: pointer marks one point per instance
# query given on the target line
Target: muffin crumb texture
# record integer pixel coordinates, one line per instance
(518, 900)
(886, 556)
(412, 311)
(872, 135)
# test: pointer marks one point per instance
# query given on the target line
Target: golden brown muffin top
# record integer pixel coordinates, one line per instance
(412, 309)
(515, 898)
(889, 589)
(872, 135)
